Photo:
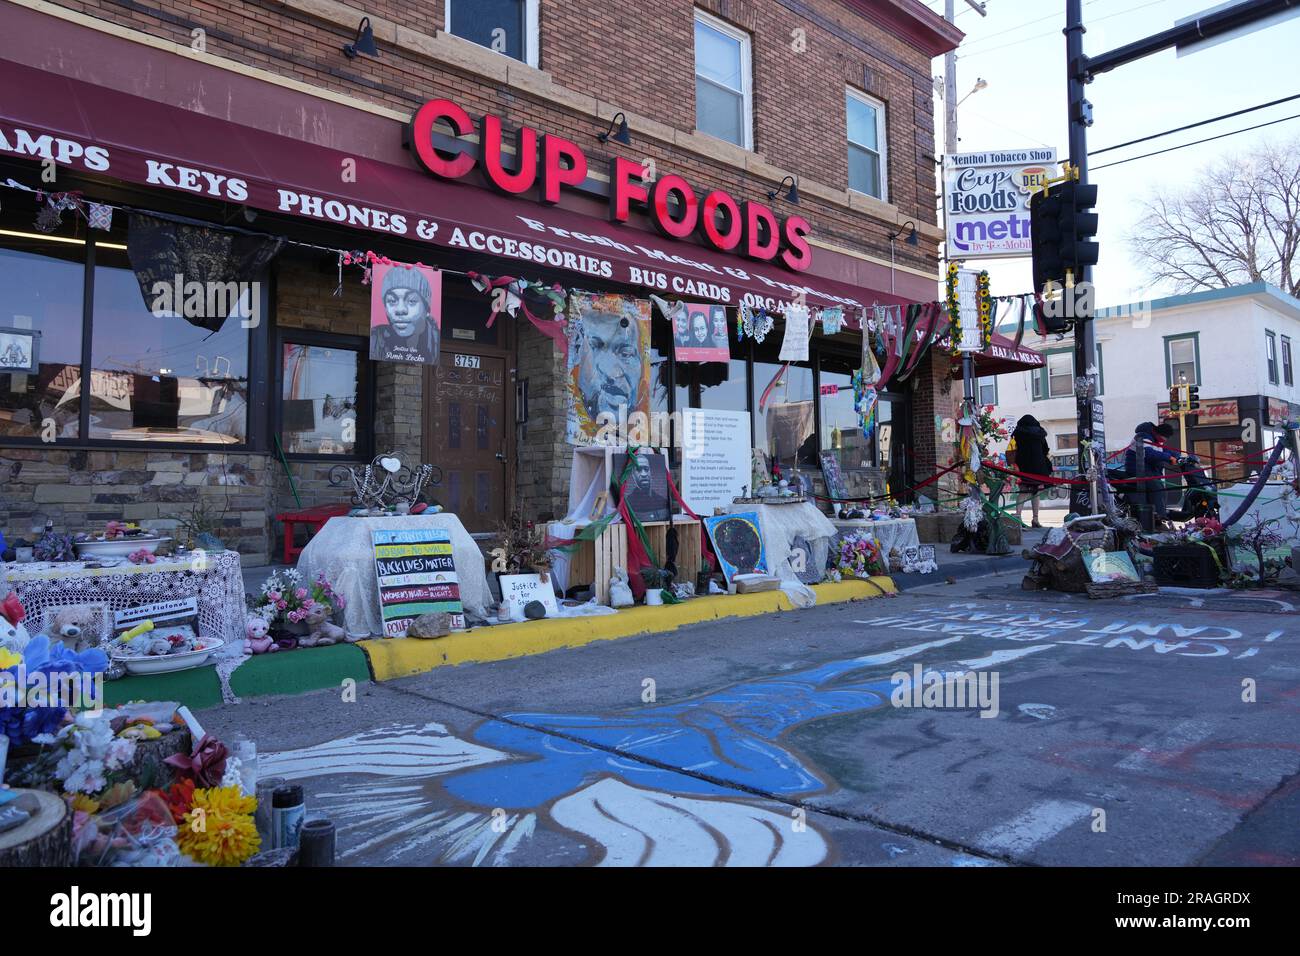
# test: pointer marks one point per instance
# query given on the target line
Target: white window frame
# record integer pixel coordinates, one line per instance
(532, 43)
(983, 382)
(1272, 366)
(746, 74)
(882, 141)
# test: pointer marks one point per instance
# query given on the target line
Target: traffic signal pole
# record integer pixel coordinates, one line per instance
(1085, 341)
(1080, 70)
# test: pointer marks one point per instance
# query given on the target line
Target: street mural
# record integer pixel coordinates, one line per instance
(611, 779)
(663, 784)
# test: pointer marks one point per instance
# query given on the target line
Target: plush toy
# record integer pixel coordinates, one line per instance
(322, 632)
(74, 626)
(257, 637)
(13, 635)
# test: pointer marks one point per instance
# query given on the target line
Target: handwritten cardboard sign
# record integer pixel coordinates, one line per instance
(518, 589)
(416, 574)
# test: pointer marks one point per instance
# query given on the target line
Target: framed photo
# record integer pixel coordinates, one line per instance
(647, 487)
(19, 350)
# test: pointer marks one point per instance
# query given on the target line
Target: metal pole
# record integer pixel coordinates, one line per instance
(950, 147)
(1085, 348)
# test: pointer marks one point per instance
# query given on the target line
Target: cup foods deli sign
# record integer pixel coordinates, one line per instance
(986, 200)
(543, 163)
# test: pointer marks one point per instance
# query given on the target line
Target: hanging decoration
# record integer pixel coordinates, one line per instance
(794, 344)
(510, 295)
(755, 323)
(99, 215)
(832, 319)
(954, 309)
(864, 401)
(985, 305)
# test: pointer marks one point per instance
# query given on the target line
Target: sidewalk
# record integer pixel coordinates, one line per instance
(318, 668)
(966, 565)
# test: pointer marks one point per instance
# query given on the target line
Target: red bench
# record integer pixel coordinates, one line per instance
(312, 517)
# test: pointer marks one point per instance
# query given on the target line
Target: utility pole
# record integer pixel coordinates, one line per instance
(950, 147)
(1080, 70)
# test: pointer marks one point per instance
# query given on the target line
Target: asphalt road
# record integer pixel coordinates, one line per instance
(1117, 734)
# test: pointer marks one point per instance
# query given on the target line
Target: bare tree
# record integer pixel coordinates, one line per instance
(1239, 223)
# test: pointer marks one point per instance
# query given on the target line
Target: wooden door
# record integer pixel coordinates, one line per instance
(468, 435)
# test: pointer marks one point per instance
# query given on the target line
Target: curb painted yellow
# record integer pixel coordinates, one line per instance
(390, 659)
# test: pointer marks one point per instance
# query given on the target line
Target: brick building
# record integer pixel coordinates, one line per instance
(249, 115)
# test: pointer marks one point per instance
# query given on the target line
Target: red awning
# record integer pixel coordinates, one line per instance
(102, 131)
(1002, 356)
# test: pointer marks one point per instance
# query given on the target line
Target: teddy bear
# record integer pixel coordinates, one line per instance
(257, 636)
(321, 631)
(74, 626)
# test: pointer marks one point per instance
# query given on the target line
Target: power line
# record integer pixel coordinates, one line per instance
(1039, 36)
(1022, 25)
(1197, 142)
(1213, 119)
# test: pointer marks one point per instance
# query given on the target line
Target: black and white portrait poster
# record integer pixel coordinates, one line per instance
(647, 485)
(405, 313)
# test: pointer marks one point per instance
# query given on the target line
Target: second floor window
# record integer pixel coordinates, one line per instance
(1180, 358)
(1270, 342)
(722, 81)
(506, 26)
(1288, 373)
(866, 134)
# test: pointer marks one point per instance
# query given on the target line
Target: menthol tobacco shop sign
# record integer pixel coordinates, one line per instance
(986, 200)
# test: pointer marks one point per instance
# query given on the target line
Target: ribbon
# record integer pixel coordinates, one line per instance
(553, 329)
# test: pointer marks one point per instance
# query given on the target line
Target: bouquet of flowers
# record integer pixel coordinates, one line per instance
(285, 597)
(990, 428)
(860, 556)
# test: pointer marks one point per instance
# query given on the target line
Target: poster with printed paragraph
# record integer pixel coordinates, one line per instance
(416, 574)
(716, 458)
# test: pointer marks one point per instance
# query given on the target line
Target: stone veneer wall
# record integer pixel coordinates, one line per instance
(80, 490)
(544, 457)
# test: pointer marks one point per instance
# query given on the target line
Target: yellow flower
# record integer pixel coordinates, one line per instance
(218, 830)
(9, 659)
(85, 803)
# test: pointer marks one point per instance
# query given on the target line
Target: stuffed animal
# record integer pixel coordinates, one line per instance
(322, 632)
(13, 635)
(257, 637)
(74, 626)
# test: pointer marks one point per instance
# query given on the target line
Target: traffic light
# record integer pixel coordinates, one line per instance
(1062, 230)
(1078, 226)
(1193, 398)
(1175, 394)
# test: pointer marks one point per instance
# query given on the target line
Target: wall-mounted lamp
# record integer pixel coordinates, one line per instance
(791, 196)
(364, 43)
(621, 136)
(911, 239)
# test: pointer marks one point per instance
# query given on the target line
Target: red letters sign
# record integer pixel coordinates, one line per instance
(545, 162)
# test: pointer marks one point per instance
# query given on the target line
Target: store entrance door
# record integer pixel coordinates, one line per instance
(468, 435)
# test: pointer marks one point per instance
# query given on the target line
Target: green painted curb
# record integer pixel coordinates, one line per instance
(296, 672)
(286, 672)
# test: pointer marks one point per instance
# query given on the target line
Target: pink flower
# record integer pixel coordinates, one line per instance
(281, 605)
(273, 595)
(300, 593)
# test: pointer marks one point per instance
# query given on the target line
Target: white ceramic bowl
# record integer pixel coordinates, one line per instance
(118, 547)
(169, 662)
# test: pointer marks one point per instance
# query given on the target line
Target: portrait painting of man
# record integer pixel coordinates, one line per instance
(609, 363)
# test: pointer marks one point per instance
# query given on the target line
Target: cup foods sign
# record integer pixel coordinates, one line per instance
(986, 200)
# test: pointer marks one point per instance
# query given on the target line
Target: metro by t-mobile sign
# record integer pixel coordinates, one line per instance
(545, 162)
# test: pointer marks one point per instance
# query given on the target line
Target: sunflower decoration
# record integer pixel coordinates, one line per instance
(985, 302)
(218, 830)
(954, 309)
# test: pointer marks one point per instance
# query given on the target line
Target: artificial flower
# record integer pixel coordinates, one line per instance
(117, 794)
(9, 659)
(205, 766)
(82, 803)
(179, 797)
(218, 830)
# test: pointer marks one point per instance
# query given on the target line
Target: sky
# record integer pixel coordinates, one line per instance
(1019, 49)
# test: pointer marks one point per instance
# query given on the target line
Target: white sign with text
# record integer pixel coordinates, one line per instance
(716, 462)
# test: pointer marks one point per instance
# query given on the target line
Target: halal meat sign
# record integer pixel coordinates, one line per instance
(545, 162)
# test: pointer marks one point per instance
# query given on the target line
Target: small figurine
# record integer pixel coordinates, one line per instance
(322, 632)
(257, 636)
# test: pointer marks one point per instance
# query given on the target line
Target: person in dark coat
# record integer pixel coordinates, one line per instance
(1148, 496)
(1027, 452)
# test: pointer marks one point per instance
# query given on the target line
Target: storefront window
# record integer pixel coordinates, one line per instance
(320, 389)
(784, 425)
(506, 26)
(42, 277)
(840, 432)
(161, 379)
